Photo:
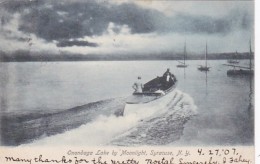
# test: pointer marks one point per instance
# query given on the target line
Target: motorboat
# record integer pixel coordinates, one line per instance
(154, 97)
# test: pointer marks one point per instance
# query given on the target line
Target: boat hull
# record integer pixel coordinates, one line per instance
(233, 62)
(240, 72)
(203, 68)
(182, 66)
(154, 96)
(147, 109)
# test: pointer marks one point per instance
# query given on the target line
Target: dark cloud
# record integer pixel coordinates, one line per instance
(47, 24)
(59, 20)
(138, 19)
(74, 20)
(19, 5)
(67, 43)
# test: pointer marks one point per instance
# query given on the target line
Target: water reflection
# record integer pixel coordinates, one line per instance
(184, 73)
(249, 80)
(206, 79)
(206, 82)
(251, 99)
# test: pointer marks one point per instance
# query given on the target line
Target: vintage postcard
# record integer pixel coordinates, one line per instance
(127, 81)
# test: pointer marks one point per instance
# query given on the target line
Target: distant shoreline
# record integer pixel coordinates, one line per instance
(16, 61)
(45, 57)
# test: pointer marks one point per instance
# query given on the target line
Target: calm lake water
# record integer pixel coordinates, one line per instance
(220, 108)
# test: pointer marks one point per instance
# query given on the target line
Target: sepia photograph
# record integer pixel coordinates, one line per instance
(127, 73)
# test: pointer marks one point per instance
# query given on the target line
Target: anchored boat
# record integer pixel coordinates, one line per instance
(205, 68)
(182, 64)
(242, 70)
(153, 97)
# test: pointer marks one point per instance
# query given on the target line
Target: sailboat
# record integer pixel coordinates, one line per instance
(241, 70)
(234, 60)
(182, 64)
(205, 68)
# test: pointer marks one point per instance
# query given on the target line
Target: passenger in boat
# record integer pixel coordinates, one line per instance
(168, 76)
(168, 79)
(138, 85)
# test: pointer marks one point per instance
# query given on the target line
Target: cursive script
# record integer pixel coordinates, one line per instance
(39, 159)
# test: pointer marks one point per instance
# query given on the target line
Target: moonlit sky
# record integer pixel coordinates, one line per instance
(124, 26)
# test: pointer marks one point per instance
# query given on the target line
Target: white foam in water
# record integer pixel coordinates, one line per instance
(105, 128)
(184, 103)
(99, 132)
(150, 109)
(157, 129)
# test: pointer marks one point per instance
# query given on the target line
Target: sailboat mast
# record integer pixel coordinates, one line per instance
(250, 56)
(184, 55)
(206, 64)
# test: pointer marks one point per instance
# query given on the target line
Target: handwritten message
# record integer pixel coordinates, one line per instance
(134, 156)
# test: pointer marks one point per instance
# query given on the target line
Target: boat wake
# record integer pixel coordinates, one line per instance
(112, 128)
(21, 128)
(164, 127)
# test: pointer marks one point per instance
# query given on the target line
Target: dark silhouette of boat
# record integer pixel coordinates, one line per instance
(242, 70)
(153, 97)
(205, 67)
(182, 64)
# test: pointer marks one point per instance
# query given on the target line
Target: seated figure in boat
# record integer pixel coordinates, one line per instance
(168, 78)
(138, 85)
